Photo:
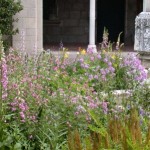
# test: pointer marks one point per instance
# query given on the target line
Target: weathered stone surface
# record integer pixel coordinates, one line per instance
(31, 23)
(74, 18)
(142, 32)
(145, 59)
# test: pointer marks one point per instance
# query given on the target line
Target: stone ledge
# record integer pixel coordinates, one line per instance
(145, 59)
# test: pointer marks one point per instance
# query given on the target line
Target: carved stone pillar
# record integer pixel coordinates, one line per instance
(142, 34)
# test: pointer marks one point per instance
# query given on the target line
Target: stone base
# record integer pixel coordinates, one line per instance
(92, 48)
(145, 59)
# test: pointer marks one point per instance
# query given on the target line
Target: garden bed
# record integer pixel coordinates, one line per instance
(96, 101)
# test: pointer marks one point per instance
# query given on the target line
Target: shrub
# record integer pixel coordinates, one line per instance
(8, 8)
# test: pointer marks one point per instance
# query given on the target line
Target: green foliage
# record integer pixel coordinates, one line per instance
(120, 134)
(8, 8)
(51, 103)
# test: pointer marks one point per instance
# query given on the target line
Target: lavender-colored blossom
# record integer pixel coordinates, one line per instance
(22, 116)
(4, 78)
(142, 112)
(23, 106)
(111, 69)
(74, 100)
(90, 50)
(95, 76)
(82, 65)
(103, 72)
(134, 68)
(105, 60)
(92, 58)
(86, 66)
(107, 70)
(93, 105)
(90, 77)
(81, 60)
(105, 107)
(99, 56)
(109, 64)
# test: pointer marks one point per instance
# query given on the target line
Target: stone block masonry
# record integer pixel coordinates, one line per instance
(72, 25)
(30, 26)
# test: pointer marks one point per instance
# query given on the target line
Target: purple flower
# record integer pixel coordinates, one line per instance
(4, 79)
(109, 64)
(90, 50)
(96, 77)
(104, 107)
(92, 58)
(22, 115)
(111, 69)
(103, 72)
(81, 60)
(23, 106)
(105, 60)
(90, 77)
(134, 68)
(142, 112)
(99, 56)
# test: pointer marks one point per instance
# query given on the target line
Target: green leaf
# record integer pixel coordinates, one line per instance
(1, 144)
(17, 146)
(8, 141)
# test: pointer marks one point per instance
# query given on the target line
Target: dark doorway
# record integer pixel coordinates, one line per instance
(110, 14)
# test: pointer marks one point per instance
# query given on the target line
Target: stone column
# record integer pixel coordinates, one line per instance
(30, 36)
(142, 34)
(146, 5)
(92, 27)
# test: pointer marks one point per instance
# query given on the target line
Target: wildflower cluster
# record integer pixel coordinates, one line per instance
(45, 95)
(4, 78)
(134, 68)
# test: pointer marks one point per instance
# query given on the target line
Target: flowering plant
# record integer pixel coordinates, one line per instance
(44, 96)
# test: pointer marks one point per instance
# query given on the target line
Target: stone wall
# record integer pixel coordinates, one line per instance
(72, 25)
(30, 25)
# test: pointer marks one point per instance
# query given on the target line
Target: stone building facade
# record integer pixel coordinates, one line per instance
(75, 21)
(72, 25)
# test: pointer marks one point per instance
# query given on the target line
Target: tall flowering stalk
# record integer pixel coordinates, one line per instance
(1, 47)
(22, 49)
(4, 78)
(106, 45)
